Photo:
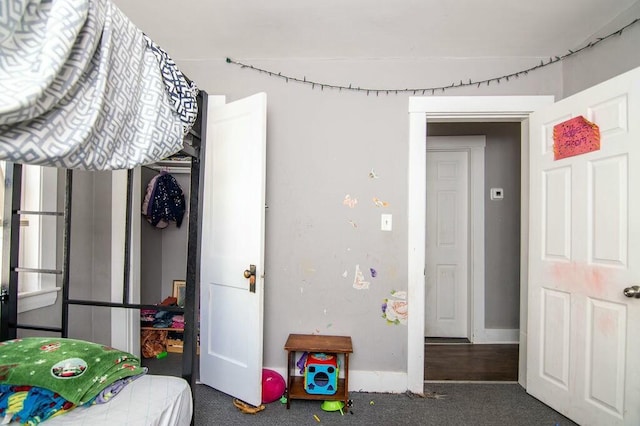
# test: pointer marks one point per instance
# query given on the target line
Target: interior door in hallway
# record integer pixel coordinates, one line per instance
(447, 244)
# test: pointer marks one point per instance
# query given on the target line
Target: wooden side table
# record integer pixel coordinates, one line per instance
(314, 343)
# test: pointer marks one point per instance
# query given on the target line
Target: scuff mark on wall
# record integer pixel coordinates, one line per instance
(373, 175)
(359, 283)
(395, 310)
(345, 274)
(350, 202)
(307, 268)
(352, 223)
(379, 203)
(373, 272)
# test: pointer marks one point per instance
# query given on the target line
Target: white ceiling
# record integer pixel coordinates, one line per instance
(241, 29)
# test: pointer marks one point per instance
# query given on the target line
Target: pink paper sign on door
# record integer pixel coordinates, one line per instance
(575, 136)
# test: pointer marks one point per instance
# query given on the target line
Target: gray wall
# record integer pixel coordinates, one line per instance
(502, 217)
(613, 56)
(321, 146)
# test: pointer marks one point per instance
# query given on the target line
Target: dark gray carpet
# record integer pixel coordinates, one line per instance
(458, 404)
(474, 404)
(171, 365)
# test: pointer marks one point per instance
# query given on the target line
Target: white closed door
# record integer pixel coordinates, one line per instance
(231, 304)
(447, 244)
(582, 348)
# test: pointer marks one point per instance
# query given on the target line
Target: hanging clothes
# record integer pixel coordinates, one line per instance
(164, 201)
(146, 212)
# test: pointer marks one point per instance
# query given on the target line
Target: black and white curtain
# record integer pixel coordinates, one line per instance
(82, 87)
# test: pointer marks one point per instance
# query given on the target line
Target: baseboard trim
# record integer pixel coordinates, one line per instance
(378, 381)
(368, 381)
(446, 341)
(497, 335)
(475, 382)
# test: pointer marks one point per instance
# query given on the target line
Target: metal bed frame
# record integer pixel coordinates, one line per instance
(9, 274)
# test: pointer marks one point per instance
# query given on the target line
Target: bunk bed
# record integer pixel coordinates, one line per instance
(104, 59)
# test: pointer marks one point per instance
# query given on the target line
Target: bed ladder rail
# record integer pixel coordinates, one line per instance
(11, 270)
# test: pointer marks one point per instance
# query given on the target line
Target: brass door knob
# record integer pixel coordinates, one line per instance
(251, 275)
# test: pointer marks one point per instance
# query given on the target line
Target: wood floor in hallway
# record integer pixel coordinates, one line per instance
(471, 362)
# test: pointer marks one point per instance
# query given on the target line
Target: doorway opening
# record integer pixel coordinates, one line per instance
(163, 269)
(472, 276)
(460, 360)
(456, 109)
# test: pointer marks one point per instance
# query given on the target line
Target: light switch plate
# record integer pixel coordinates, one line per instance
(386, 222)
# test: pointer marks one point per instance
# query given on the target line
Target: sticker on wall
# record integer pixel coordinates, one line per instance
(373, 175)
(395, 309)
(379, 203)
(350, 202)
(358, 282)
(574, 137)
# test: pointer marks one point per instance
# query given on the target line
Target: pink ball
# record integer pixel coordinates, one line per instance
(273, 386)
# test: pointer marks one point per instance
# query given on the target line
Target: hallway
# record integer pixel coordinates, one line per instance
(459, 360)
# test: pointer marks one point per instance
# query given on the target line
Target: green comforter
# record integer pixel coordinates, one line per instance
(75, 369)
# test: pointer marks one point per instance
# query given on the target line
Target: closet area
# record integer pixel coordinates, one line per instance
(165, 191)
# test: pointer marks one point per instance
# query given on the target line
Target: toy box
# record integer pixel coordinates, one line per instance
(321, 374)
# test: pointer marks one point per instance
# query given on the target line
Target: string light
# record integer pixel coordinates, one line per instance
(433, 90)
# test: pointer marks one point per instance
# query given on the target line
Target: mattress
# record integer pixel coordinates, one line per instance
(148, 401)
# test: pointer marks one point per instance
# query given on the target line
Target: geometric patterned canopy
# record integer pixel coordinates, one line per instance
(82, 88)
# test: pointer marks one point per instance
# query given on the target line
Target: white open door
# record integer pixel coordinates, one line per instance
(584, 252)
(233, 223)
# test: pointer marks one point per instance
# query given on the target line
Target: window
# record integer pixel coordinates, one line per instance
(38, 236)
